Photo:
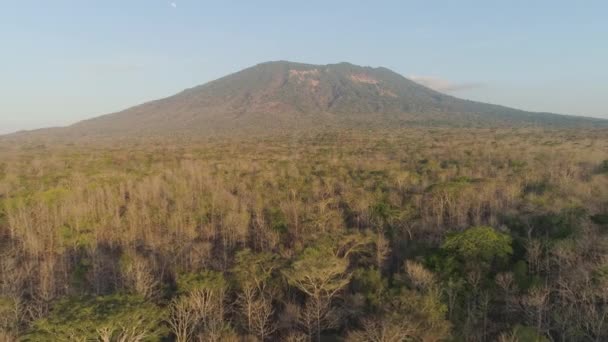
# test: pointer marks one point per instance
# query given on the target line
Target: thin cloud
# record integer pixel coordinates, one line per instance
(173, 4)
(443, 85)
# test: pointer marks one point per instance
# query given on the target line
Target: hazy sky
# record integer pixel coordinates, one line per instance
(62, 61)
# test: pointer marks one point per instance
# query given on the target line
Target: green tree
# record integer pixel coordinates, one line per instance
(412, 313)
(9, 316)
(370, 283)
(469, 258)
(320, 274)
(479, 244)
(473, 252)
(521, 333)
(109, 318)
(199, 310)
(252, 273)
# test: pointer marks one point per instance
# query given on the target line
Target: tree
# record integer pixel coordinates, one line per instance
(535, 304)
(184, 317)
(252, 273)
(263, 323)
(10, 316)
(423, 303)
(138, 275)
(372, 286)
(110, 318)
(479, 244)
(413, 312)
(383, 330)
(194, 313)
(521, 333)
(320, 274)
(199, 310)
(469, 258)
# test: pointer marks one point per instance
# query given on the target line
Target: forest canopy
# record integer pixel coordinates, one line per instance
(386, 235)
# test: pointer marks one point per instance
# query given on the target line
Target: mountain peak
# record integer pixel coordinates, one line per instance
(289, 95)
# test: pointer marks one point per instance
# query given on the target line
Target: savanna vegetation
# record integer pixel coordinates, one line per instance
(404, 235)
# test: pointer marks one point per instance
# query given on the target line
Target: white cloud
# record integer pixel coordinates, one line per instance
(173, 4)
(443, 85)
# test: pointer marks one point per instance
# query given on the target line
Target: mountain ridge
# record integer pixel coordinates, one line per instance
(284, 95)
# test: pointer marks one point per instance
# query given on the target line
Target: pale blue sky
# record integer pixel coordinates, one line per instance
(62, 61)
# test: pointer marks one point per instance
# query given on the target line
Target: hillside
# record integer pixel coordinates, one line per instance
(285, 96)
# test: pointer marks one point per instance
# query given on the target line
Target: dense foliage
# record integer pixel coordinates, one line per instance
(393, 235)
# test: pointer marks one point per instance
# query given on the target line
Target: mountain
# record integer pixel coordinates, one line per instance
(285, 96)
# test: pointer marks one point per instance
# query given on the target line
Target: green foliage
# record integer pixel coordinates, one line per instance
(427, 167)
(382, 211)
(523, 279)
(3, 216)
(370, 283)
(53, 196)
(385, 214)
(523, 333)
(254, 269)
(538, 188)
(209, 280)
(125, 262)
(277, 220)
(79, 274)
(479, 244)
(118, 316)
(601, 219)
(8, 319)
(423, 311)
(518, 165)
(603, 168)
(451, 187)
(72, 238)
(3, 172)
(318, 272)
(559, 225)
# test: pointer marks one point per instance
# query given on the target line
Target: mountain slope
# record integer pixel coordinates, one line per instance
(286, 95)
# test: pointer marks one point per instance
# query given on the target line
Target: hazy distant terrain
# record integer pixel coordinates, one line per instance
(284, 96)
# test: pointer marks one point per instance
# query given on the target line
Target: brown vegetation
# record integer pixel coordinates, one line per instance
(362, 235)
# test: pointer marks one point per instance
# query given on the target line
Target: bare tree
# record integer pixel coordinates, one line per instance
(536, 304)
(263, 322)
(383, 330)
(198, 313)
